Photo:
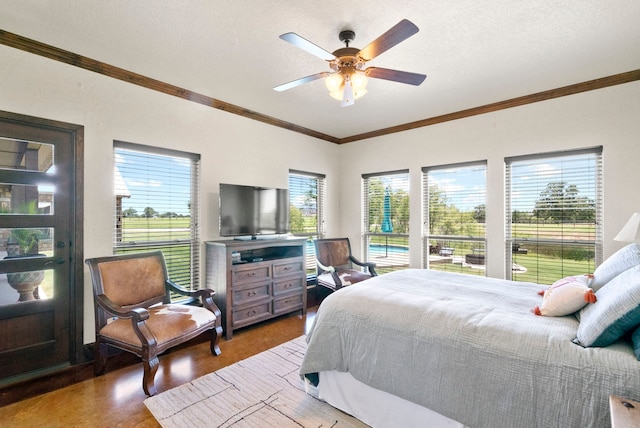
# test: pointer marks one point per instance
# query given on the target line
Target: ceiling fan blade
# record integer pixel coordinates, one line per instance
(306, 45)
(396, 34)
(395, 75)
(300, 81)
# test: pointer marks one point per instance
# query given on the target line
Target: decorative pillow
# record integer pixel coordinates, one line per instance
(635, 338)
(566, 296)
(617, 311)
(623, 259)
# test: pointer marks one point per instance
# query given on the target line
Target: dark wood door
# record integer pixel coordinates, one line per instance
(40, 299)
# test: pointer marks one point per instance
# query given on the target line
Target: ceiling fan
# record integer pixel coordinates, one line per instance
(348, 79)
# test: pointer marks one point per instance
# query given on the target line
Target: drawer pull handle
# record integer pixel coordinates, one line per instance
(251, 293)
(287, 268)
(288, 285)
(251, 313)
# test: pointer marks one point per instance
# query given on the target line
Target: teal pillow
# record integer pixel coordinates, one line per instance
(635, 339)
(616, 312)
(623, 259)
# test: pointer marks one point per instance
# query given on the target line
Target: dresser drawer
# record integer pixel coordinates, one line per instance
(250, 293)
(249, 314)
(292, 267)
(287, 304)
(288, 286)
(247, 274)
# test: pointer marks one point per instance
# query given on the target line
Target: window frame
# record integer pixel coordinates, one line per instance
(399, 259)
(592, 240)
(476, 242)
(193, 241)
(320, 181)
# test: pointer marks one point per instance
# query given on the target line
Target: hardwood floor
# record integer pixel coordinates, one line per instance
(116, 398)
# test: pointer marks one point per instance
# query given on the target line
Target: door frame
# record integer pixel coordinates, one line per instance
(76, 268)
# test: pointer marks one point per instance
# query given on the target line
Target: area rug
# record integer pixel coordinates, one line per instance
(264, 390)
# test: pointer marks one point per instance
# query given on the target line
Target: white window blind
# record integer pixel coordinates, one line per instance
(386, 220)
(553, 215)
(454, 205)
(306, 211)
(156, 207)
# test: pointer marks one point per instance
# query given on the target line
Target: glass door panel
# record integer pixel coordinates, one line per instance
(36, 286)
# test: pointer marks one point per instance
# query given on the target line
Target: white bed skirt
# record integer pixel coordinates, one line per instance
(374, 407)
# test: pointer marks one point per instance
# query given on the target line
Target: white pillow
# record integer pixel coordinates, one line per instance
(566, 296)
(623, 259)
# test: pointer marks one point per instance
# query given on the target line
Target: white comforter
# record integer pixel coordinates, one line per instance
(469, 348)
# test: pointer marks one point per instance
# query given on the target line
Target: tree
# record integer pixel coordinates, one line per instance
(399, 207)
(295, 219)
(437, 208)
(376, 204)
(560, 202)
(149, 212)
(399, 211)
(480, 213)
(130, 212)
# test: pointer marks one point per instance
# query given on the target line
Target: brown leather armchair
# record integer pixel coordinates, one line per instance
(134, 312)
(334, 264)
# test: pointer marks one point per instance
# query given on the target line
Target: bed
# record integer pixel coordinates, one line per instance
(460, 350)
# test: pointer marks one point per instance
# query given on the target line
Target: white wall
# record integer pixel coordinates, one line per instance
(609, 117)
(233, 149)
(243, 151)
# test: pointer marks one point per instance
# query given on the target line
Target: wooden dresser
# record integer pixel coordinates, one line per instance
(624, 413)
(256, 280)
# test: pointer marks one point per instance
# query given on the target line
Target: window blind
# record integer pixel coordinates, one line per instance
(454, 211)
(553, 214)
(306, 212)
(156, 207)
(386, 220)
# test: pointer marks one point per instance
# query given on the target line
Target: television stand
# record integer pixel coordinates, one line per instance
(258, 237)
(256, 280)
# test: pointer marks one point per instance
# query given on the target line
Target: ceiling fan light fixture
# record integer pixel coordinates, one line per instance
(334, 82)
(339, 94)
(354, 84)
(359, 81)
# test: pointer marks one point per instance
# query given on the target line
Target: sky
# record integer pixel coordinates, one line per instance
(160, 182)
(466, 186)
(163, 182)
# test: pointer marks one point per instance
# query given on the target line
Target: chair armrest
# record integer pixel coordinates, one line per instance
(369, 265)
(334, 273)
(205, 295)
(138, 314)
(325, 268)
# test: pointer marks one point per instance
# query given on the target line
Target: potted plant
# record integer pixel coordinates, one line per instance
(25, 243)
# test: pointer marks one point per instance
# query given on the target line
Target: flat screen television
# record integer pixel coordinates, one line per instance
(249, 211)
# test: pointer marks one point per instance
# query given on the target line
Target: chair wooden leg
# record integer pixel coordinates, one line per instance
(216, 333)
(100, 361)
(148, 380)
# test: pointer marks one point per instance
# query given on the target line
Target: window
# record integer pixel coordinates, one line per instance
(386, 220)
(553, 215)
(454, 201)
(306, 212)
(156, 207)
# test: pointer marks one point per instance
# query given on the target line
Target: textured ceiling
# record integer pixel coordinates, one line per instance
(474, 52)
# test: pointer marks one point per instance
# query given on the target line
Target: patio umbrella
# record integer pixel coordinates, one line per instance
(387, 227)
